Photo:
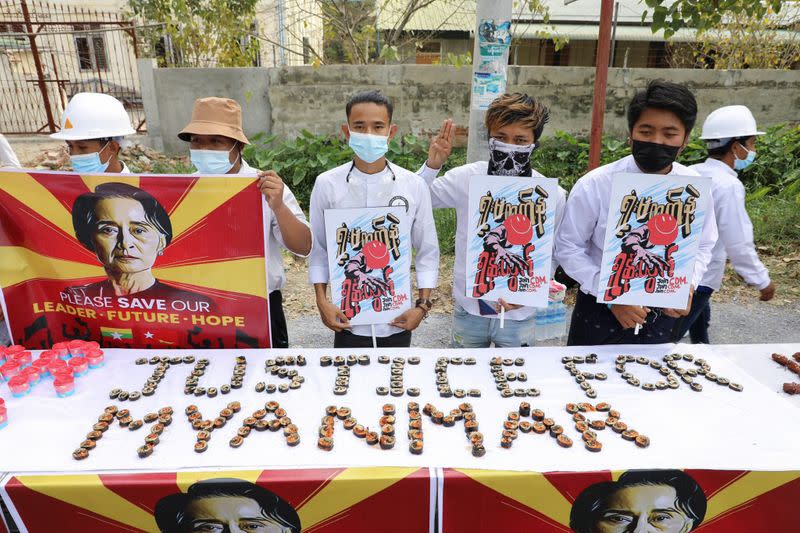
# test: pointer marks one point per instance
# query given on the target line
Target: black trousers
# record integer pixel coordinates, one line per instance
(594, 324)
(698, 319)
(277, 321)
(346, 339)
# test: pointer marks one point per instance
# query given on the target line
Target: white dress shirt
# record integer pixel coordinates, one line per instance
(580, 241)
(275, 273)
(7, 156)
(734, 226)
(333, 190)
(452, 190)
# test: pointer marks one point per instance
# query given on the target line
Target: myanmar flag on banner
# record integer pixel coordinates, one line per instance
(116, 333)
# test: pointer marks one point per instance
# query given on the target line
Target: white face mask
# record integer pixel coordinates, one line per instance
(369, 148)
(89, 163)
(212, 161)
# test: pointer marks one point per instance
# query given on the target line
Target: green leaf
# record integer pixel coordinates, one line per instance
(757, 195)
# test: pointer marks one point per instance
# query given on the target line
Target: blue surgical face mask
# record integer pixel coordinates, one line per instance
(212, 161)
(741, 164)
(89, 163)
(369, 148)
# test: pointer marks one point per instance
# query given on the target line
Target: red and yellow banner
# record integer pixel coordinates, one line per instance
(133, 261)
(713, 501)
(317, 500)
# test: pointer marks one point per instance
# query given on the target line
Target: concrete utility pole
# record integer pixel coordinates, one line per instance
(489, 64)
(600, 82)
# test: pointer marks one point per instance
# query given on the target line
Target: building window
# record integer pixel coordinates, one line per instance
(429, 53)
(92, 54)
(657, 55)
(553, 57)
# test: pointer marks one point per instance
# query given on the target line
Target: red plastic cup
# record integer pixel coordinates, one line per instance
(92, 345)
(9, 370)
(79, 366)
(19, 385)
(48, 355)
(65, 372)
(62, 349)
(14, 348)
(56, 365)
(32, 373)
(41, 366)
(64, 385)
(76, 347)
(3, 414)
(23, 358)
(95, 357)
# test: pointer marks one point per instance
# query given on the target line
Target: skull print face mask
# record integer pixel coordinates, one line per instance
(509, 159)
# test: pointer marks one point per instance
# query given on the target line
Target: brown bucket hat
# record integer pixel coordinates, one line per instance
(215, 116)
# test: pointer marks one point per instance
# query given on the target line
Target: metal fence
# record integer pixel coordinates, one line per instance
(49, 52)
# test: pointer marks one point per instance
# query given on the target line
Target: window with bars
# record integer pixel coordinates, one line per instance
(92, 54)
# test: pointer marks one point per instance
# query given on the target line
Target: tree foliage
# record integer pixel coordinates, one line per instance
(198, 33)
(672, 15)
(740, 41)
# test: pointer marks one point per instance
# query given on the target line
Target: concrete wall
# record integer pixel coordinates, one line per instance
(169, 99)
(284, 101)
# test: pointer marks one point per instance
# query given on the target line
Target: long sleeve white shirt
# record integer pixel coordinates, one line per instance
(276, 276)
(452, 190)
(581, 238)
(333, 190)
(734, 226)
(7, 156)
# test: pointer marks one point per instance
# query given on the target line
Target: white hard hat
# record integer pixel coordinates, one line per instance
(730, 122)
(93, 116)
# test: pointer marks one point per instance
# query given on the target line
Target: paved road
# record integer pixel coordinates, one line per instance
(731, 323)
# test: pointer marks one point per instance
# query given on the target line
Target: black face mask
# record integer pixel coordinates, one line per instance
(652, 157)
(509, 159)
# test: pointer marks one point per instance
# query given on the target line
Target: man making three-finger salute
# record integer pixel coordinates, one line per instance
(216, 142)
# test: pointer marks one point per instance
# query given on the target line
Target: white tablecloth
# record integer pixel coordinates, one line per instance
(717, 428)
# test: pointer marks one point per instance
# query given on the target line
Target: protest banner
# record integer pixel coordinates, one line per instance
(652, 237)
(133, 261)
(369, 258)
(510, 240)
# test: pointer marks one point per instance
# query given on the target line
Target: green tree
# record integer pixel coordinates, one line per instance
(198, 33)
(740, 41)
(672, 15)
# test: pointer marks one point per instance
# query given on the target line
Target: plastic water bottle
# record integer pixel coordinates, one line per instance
(558, 320)
(559, 324)
(540, 321)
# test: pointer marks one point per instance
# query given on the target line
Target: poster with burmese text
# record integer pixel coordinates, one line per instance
(133, 261)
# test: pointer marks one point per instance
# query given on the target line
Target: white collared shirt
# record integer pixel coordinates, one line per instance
(734, 226)
(333, 190)
(7, 156)
(452, 190)
(580, 240)
(275, 272)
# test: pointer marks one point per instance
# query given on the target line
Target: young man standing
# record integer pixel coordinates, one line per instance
(730, 134)
(515, 123)
(370, 180)
(93, 126)
(216, 141)
(660, 120)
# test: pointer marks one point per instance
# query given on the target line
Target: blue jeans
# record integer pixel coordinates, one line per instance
(5, 340)
(698, 319)
(472, 331)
